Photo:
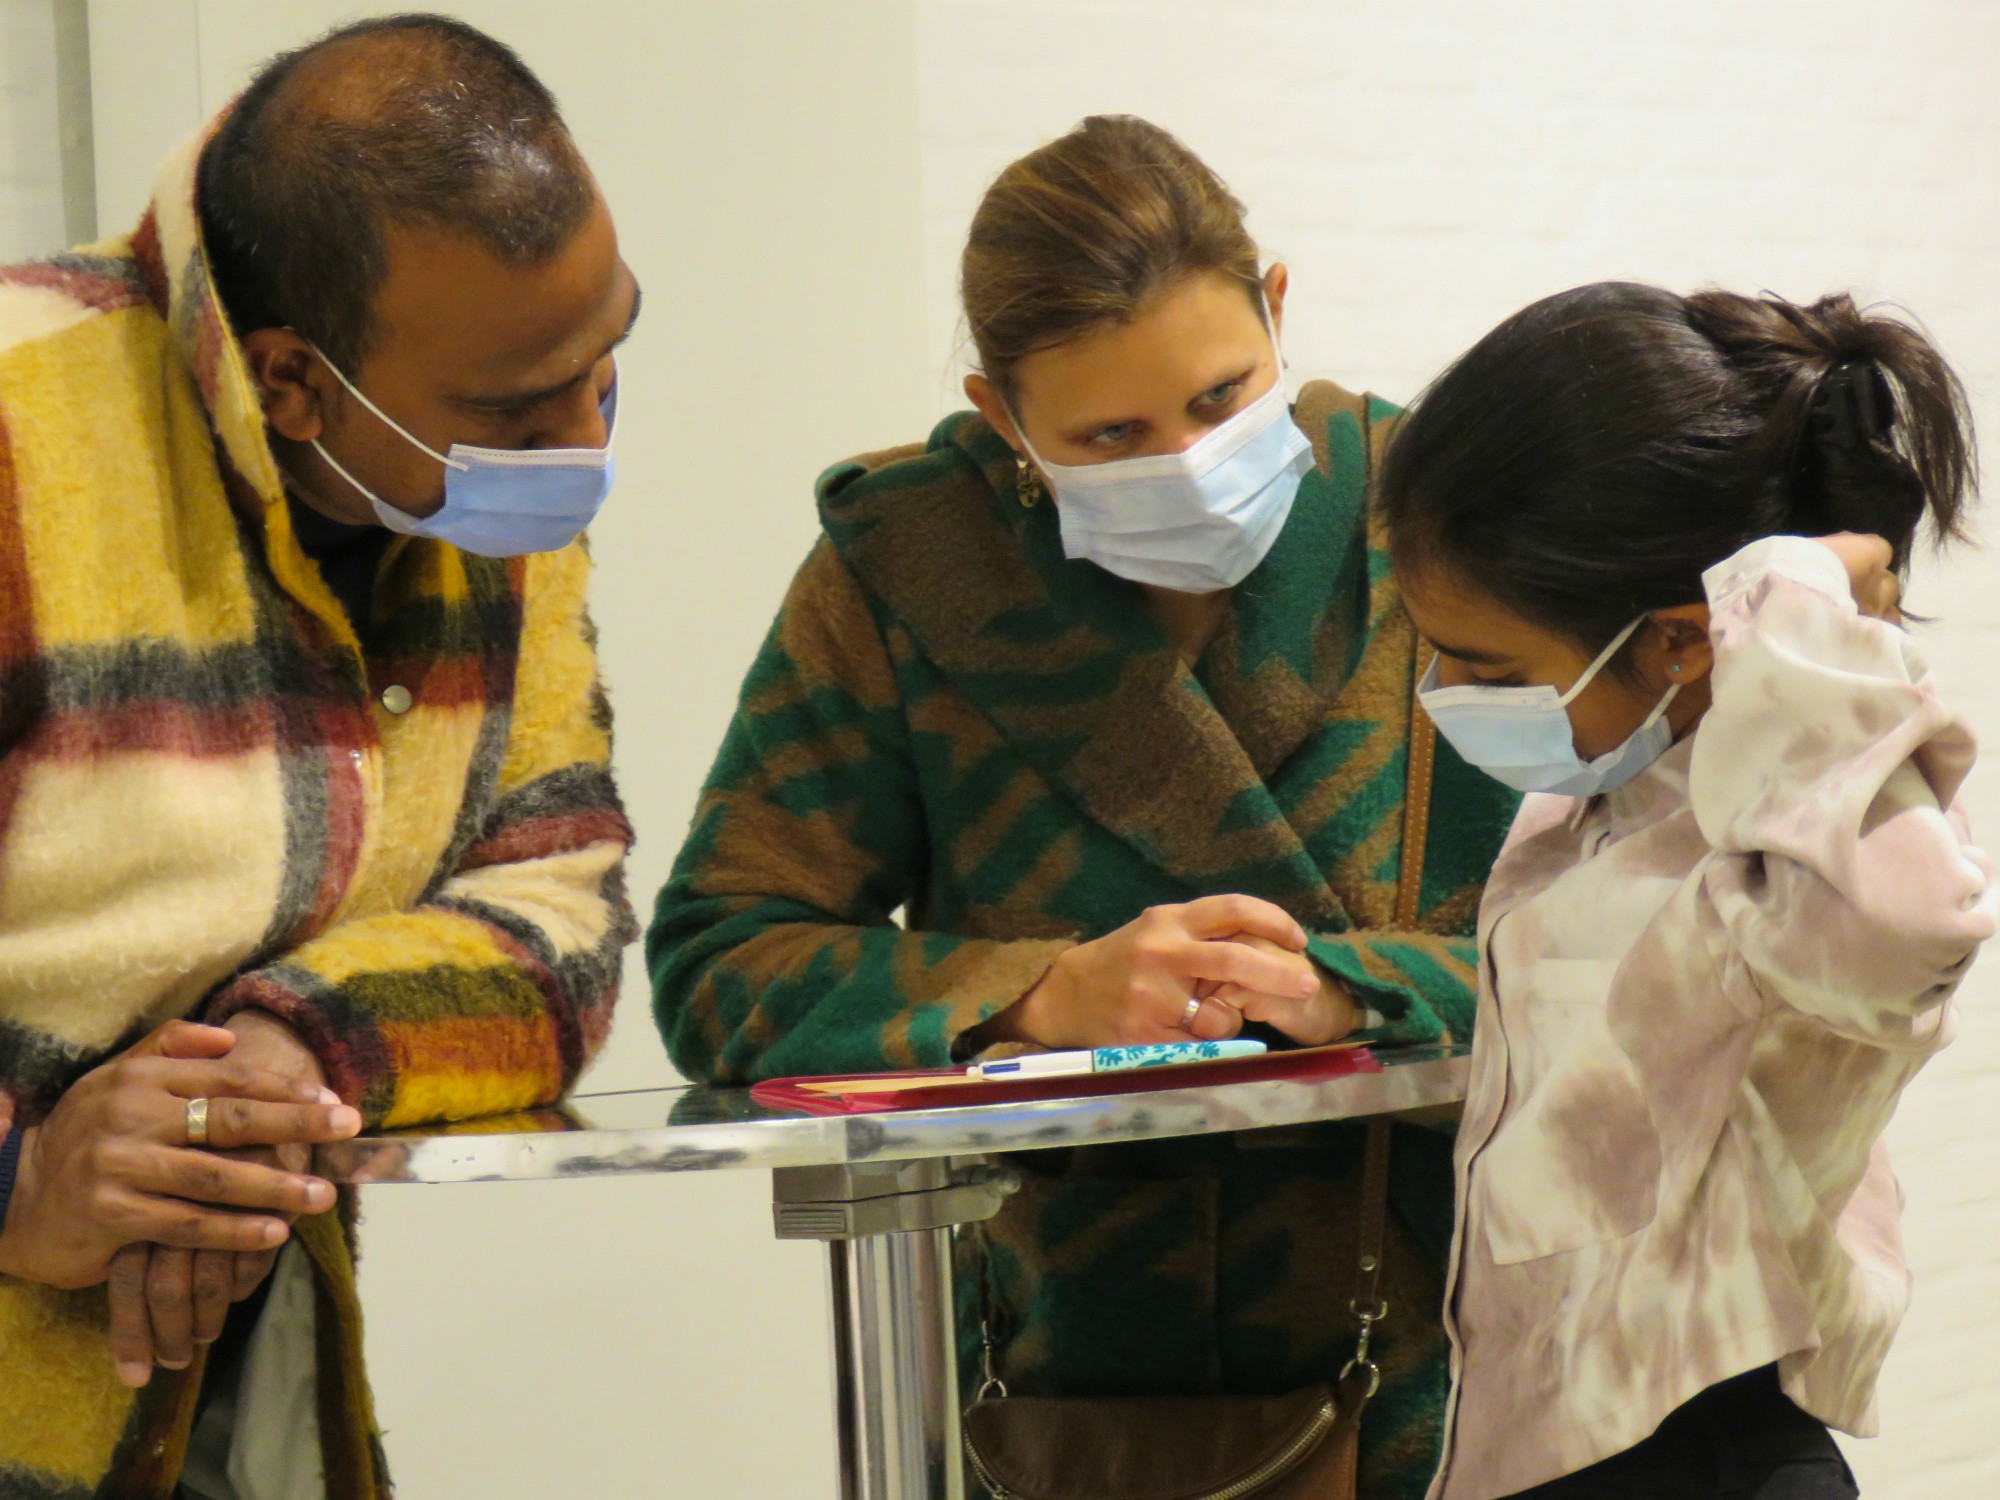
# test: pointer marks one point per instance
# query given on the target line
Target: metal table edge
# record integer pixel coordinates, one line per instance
(1419, 1079)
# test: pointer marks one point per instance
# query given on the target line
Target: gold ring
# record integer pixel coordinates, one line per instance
(1193, 1010)
(197, 1122)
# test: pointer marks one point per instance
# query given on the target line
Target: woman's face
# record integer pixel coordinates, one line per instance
(1481, 642)
(1158, 384)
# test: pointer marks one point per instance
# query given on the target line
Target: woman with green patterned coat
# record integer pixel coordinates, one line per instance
(1130, 759)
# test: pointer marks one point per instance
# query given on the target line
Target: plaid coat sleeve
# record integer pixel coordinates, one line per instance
(494, 992)
(774, 948)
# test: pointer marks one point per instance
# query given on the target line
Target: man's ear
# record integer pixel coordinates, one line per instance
(292, 385)
(1676, 649)
(979, 391)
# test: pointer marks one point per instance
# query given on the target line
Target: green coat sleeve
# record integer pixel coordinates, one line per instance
(1423, 985)
(774, 948)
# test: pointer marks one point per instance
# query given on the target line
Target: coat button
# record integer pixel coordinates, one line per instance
(396, 698)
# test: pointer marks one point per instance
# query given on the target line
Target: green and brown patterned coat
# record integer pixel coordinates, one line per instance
(951, 719)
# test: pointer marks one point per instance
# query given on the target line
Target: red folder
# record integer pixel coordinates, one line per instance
(949, 1088)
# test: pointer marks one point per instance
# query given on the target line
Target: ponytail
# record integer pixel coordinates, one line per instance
(1861, 410)
(1589, 459)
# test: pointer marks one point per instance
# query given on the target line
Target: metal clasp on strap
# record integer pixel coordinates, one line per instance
(991, 1386)
(1367, 1318)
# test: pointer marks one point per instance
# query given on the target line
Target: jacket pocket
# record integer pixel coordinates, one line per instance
(1577, 1160)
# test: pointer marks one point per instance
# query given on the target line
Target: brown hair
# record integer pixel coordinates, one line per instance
(1087, 231)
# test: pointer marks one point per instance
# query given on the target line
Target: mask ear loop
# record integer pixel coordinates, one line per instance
(388, 421)
(1660, 708)
(1603, 660)
(341, 469)
(1277, 349)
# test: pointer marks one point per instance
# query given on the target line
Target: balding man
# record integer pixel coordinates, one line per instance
(306, 820)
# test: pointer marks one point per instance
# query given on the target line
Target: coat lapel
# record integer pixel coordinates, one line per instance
(1297, 626)
(1316, 673)
(1068, 665)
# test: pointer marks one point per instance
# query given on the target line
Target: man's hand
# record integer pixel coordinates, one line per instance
(266, 1042)
(167, 1300)
(111, 1165)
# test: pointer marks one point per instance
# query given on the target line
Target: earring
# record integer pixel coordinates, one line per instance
(1677, 669)
(1027, 483)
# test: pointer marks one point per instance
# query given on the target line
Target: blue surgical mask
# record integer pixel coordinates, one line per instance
(499, 502)
(1196, 521)
(1521, 736)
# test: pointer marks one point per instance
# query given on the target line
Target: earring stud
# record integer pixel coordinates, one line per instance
(1027, 483)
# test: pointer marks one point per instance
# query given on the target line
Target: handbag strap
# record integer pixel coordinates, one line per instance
(1374, 1220)
(1416, 806)
(1362, 1377)
(1367, 1305)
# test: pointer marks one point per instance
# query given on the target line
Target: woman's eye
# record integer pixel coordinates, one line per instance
(1220, 395)
(1117, 435)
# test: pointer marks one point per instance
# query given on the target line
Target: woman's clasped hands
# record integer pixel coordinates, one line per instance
(1199, 969)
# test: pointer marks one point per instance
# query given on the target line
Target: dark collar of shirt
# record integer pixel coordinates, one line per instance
(347, 556)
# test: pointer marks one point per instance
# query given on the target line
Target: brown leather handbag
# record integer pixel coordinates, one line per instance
(1304, 1445)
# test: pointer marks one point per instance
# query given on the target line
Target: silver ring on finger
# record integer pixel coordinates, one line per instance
(1188, 1015)
(197, 1122)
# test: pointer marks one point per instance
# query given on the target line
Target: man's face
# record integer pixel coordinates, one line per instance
(467, 349)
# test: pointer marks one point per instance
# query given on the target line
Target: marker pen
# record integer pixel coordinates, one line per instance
(1112, 1059)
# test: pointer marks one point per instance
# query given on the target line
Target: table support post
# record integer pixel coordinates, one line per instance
(895, 1344)
(896, 1367)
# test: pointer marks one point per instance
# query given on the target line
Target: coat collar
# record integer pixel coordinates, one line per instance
(1067, 663)
(1296, 626)
(174, 263)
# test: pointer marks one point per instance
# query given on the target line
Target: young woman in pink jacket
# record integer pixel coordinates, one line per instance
(1657, 543)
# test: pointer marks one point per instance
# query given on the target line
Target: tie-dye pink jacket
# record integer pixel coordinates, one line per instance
(1700, 998)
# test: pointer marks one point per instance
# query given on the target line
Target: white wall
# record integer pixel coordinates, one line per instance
(1426, 167)
(1429, 166)
(31, 196)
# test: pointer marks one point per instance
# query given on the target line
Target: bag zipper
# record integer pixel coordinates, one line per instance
(1249, 1484)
